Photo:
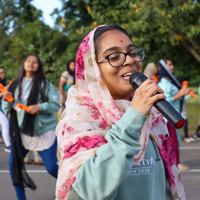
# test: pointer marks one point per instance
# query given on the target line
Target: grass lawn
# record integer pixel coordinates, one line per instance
(193, 113)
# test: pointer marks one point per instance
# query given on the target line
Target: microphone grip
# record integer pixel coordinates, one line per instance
(170, 113)
(136, 79)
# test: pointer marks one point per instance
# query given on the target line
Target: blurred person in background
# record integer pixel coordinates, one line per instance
(33, 129)
(151, 71)
(4, 122)
(184, 99)
(196, 135)
(174, 97)
(66, 81)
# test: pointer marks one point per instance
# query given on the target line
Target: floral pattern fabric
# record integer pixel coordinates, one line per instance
(90, 112)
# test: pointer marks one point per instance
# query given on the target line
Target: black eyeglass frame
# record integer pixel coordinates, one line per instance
(125, 54)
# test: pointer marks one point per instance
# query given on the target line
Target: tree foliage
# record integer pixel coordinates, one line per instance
(168, 28)
(28, 34)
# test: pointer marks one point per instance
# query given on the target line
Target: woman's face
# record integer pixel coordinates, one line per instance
(72, 66)
(31, 64)
(117, 78)
(170, 66)
(2, 74)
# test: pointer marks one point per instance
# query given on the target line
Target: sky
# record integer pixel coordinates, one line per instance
(47, 7)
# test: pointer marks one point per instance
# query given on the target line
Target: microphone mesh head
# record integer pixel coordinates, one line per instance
(136, 79)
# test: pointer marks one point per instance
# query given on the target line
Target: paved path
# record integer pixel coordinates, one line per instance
(44, 182)
(190, 155)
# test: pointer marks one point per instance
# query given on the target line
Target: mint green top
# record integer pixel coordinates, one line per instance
(170, 90)
(112, 176)
(45, 119)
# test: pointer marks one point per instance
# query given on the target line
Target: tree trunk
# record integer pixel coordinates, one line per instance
(191, 50)
(194, 44)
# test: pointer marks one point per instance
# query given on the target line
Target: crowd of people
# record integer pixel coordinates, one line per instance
(110, 141)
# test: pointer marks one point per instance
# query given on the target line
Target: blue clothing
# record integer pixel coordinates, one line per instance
(170, 90)
(66, 87)
(3, 82)
(49, 158)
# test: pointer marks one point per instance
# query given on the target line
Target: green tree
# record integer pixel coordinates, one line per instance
(167, 28)
(74, 19)
(8, 14)
(28, 34)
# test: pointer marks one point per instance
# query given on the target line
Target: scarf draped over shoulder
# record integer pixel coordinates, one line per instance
(90, 112)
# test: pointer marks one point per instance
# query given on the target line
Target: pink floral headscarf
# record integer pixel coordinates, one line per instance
(90, 112)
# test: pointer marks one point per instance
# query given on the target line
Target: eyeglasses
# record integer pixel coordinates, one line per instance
(2, 72)
(118, 59)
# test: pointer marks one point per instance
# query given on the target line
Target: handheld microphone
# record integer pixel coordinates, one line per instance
(136, 79)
